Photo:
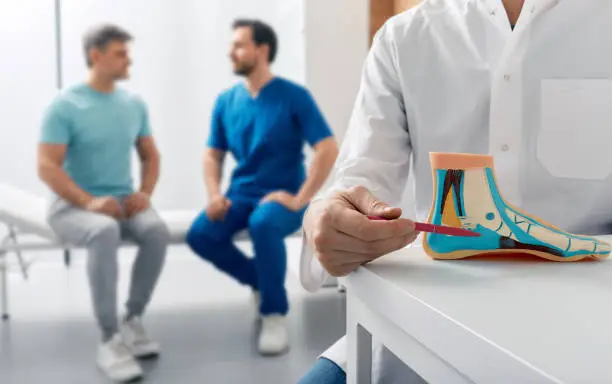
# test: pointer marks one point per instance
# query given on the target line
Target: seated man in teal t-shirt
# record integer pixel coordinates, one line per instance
(264, 123)
(88, 135)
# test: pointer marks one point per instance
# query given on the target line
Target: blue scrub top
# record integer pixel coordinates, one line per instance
(266, 136)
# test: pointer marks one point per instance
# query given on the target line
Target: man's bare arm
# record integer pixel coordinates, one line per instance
(325, 154)
(150, 163)
(213, 171)
(50, 170)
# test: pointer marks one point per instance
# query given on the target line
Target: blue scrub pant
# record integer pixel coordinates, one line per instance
(268, 225)
(324, 372)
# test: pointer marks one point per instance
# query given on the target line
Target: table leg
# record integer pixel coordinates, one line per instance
(363, 320)
(4, 286)
(359, 346)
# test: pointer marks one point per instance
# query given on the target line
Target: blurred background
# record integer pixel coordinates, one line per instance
(202, 318)
(180, 66)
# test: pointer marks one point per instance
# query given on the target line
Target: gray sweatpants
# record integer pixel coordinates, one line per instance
(102, 235)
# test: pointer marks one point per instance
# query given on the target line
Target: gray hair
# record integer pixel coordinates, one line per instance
(98, 37)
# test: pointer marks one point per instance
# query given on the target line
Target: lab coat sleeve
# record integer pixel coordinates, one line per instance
(312, 273)
(376, 149)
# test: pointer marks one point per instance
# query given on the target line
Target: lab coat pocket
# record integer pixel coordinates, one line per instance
(575, 138)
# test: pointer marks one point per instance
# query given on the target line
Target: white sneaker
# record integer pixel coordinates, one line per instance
(116, 361)
(273, 337)
(137, 340)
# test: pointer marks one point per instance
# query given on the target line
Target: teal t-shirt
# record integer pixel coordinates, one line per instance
(100, 131)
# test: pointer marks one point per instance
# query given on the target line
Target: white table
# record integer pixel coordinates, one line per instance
(483, 321)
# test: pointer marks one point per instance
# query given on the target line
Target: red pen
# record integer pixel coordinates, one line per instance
(441, 229)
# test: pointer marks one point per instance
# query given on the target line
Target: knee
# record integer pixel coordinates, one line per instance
(193, 237)
(198, 240)
(259, 224)
(158, 232)
(107, 232)
(324, 372)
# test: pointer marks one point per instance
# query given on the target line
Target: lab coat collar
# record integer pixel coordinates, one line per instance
(531, 9)
(532, 6)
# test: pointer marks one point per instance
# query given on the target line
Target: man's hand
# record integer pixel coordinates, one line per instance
(344, 238)
(136, 203)
(105, 205)
(218, 207)
(290, 201)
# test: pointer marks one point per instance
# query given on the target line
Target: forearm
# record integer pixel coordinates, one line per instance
(62, 185)
(318, 172)
(212, 176)
(150, 175)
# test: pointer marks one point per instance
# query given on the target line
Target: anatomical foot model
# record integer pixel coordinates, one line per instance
(466, 196)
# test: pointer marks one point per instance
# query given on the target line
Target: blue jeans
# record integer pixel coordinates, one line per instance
(324, 372)
(268, 224)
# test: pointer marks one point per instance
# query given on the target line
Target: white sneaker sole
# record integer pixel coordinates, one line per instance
(124, 377)
(273, 351)
(145, 353)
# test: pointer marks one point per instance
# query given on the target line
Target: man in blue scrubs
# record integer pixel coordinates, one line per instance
(264, 122)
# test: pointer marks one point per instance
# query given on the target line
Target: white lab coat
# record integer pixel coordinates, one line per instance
(452, 76)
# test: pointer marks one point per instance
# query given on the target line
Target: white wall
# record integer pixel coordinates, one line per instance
(27, 83)
(180, 66)
(206, 35)
(156, 57)
(336, 39)
(337, 35)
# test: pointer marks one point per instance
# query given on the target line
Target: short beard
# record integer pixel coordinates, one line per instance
(244, 70)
